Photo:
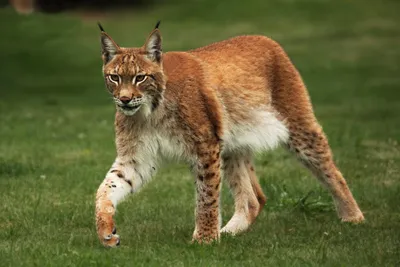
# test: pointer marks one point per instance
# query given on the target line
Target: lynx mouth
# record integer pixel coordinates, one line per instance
(129, 110)
(127, 107)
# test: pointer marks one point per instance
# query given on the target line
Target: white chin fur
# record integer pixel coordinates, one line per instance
(128, 112)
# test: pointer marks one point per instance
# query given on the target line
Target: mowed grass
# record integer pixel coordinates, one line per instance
(57, 139)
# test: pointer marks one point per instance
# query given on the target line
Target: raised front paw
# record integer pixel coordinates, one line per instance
(105, 225)
(111, 240)
(106, 231)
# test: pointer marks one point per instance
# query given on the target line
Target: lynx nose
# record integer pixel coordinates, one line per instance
(125, 99)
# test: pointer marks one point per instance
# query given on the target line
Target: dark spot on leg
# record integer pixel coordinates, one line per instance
(206, 166)
(210, 175)
(210, 203)
(201, 177)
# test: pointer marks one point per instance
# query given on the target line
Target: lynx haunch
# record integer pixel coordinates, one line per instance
(212, 107)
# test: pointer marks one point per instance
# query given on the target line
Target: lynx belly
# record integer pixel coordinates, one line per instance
(263, 132)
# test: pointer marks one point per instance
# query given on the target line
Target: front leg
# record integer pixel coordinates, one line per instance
(121, 180)
(208, 182)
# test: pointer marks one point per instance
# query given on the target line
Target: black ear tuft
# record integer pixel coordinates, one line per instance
(101, 27)
(158, 24)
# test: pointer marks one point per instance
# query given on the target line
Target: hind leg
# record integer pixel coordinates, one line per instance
(246, 192)
(310, 145)
(262, 199)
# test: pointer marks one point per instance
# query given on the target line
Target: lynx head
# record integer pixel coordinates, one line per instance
(134, 76)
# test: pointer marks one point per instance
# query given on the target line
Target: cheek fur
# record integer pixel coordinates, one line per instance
(145, 86)
(112, 88)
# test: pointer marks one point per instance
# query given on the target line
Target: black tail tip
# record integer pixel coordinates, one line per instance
(158, 24)
(101, 27)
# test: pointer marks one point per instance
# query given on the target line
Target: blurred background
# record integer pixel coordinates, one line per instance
(57, 137)
(49, 6)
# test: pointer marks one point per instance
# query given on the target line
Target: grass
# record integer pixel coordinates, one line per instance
(56, 129)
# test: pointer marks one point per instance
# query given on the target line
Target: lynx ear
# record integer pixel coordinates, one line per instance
(153, 45)
(108, 47)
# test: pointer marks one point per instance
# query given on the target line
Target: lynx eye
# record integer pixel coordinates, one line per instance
(140, 78)
(114, 78)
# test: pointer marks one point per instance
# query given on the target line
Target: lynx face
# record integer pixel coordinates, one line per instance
(134, 76)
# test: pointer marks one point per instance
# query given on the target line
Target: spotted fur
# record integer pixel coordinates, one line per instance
(212, 107)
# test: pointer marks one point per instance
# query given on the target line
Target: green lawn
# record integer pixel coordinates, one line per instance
(57, 140)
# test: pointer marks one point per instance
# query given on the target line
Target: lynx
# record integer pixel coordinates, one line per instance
(213, 107)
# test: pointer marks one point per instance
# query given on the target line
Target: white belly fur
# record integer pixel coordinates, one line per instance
(264, 132)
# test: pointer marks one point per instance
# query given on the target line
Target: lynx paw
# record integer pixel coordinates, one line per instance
(106, 229)
(205, 238)
(111, 240)
(237, 224)
(352, 215)
(357, 218)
